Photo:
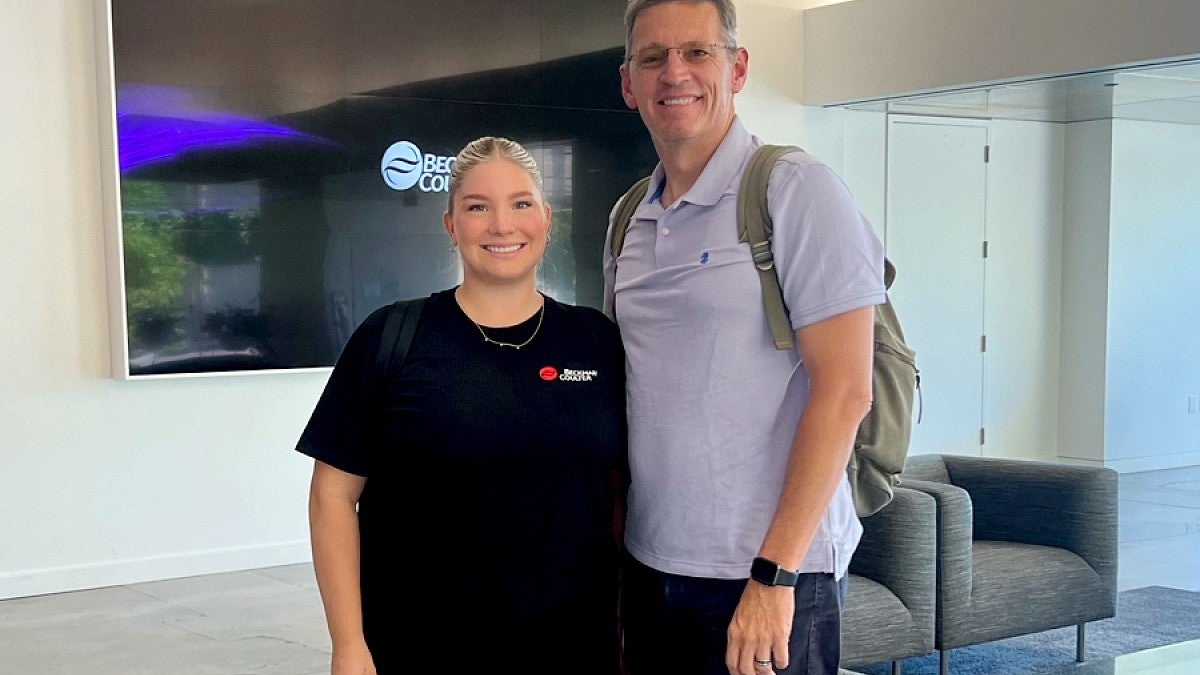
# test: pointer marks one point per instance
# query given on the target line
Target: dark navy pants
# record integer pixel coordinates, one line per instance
(678, 624)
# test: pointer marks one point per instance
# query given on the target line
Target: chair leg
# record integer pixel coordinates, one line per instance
(1080, 642)
(944, 661)
(895, 668)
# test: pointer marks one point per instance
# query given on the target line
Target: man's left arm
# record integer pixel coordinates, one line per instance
(837, 355)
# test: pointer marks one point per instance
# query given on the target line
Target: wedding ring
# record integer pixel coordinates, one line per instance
(763, 663)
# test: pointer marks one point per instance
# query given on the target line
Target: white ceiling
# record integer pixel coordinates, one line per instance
(1160, 93)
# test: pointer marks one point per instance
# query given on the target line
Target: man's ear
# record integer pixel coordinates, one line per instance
(626, 91)
(741, 68)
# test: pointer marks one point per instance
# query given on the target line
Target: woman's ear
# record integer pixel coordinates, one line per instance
(448, 223)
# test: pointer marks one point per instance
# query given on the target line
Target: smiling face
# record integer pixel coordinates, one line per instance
(499, 221)
(683, 103)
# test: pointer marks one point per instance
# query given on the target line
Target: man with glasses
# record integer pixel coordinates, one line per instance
(741, 523)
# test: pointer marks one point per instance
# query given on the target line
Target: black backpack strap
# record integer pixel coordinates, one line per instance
(398, 330)
(754, 228)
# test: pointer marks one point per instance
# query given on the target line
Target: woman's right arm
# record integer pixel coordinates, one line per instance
(333, 525)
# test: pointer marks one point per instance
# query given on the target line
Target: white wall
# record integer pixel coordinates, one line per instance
(869, 49)
(1154, 295)
(1087, 178)
(1126, 327)
(105, 481)
(864, 164)
(769, 105)
(1129, 361)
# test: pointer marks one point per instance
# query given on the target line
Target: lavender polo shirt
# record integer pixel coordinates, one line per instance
(713, 405)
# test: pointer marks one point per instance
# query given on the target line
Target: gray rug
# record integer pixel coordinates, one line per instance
(1146, 617)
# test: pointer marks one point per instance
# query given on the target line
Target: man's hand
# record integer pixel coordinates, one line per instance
(760, 629)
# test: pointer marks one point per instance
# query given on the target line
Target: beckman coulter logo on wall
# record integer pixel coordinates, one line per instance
(403, 166)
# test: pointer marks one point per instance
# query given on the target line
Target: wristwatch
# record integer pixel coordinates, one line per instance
(768, 572)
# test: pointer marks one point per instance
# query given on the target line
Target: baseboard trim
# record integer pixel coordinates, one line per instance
(136, 570)
(1154, 462)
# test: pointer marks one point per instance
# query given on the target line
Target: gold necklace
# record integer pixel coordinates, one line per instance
(541, 314)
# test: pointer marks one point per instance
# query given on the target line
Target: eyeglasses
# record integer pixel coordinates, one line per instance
(694, 53)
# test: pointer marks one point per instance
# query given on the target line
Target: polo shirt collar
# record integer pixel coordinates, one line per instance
(719, 174)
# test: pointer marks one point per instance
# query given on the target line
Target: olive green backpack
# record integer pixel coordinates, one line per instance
(883, 436)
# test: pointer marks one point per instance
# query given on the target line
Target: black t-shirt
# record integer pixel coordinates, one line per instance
(490, 474)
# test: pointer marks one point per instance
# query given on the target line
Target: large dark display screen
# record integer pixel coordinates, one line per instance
(283, 164)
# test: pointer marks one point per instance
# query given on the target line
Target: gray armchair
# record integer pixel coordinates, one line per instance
(1023, 546)
(889, 612)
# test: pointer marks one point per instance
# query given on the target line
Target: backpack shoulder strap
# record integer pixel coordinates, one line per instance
(622, 216)
(624, 213)
(398, 330)
(754, 228)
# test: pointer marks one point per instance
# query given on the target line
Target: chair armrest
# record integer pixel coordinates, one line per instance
(954, 539)
(897, 550)
(1047, 503)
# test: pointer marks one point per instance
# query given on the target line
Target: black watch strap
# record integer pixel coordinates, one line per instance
(769, 573)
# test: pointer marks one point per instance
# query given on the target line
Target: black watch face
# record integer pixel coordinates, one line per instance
(764, 571)
(769, 572)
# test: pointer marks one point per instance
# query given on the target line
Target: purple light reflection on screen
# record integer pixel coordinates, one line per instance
(143, 139)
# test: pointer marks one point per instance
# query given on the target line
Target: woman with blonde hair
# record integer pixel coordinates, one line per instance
(472, 496)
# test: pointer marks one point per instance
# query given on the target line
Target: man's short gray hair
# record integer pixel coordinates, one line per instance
(726, 12)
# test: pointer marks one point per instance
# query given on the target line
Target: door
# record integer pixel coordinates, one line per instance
(934, 233)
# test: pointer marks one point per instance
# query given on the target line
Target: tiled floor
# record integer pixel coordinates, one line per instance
(1181, 658)
(259, 622)
(1160, 529)
(269, 621)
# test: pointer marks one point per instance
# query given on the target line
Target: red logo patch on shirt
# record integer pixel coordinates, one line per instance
(548, 373)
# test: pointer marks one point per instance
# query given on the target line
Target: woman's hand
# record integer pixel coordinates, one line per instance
(353, 659)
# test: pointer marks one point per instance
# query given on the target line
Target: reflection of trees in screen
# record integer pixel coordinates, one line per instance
(154, 266)
(227, 245)
(556, 274)
(180, 265)
(220, 237)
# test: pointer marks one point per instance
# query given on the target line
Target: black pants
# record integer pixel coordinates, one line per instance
(585, 643)
(677, 624)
